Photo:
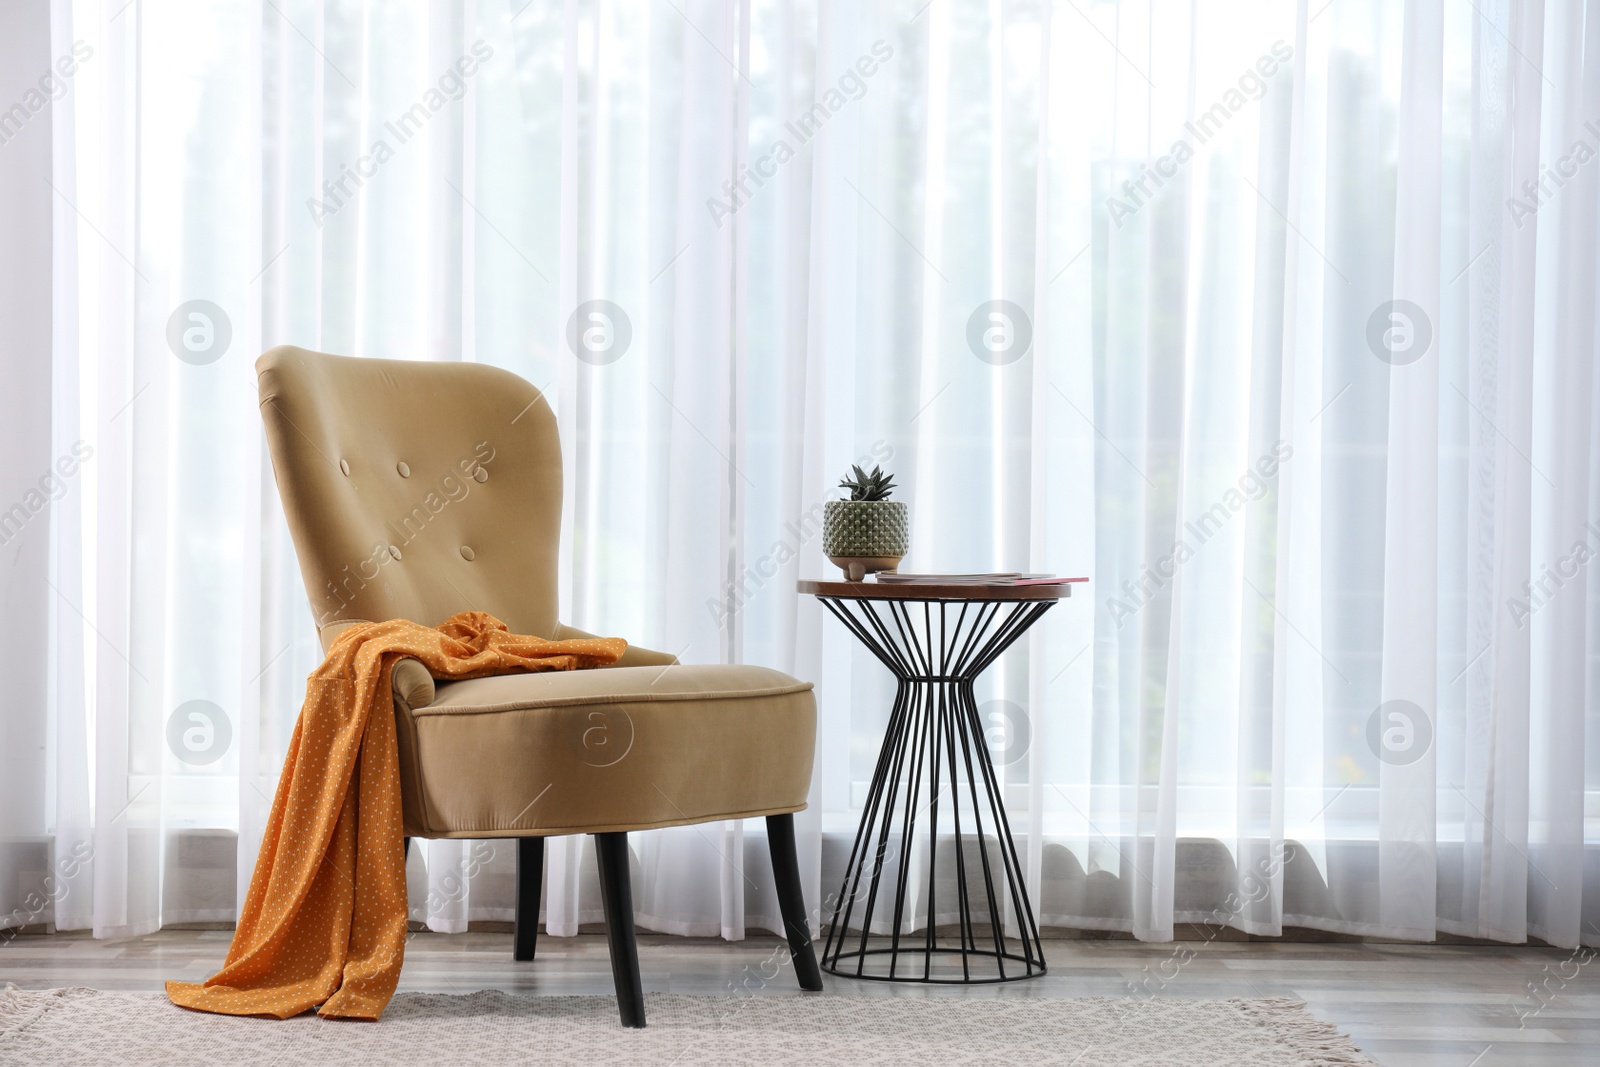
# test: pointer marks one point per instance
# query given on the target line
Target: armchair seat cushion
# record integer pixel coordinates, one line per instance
(598, 751)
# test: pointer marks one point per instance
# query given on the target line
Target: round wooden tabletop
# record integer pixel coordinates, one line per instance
(932, 591)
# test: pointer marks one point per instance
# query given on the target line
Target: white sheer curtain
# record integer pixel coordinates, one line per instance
(1275, 319)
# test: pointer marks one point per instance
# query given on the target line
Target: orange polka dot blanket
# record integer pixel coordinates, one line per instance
(324, 922)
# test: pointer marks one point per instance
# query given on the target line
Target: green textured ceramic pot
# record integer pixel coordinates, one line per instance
(863, 536)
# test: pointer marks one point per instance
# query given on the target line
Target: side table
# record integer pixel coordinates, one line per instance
(936, 640)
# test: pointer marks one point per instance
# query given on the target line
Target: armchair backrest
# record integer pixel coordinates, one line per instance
(415, 489)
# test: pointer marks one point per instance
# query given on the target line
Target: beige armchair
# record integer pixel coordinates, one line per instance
(417, 490)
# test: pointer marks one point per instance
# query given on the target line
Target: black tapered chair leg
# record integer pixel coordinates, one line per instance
(530, 885)
(786, 872)
(616, 893)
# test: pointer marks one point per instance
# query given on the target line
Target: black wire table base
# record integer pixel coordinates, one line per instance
(934, 765)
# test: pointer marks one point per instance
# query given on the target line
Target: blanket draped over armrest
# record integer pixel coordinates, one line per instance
(325, 919)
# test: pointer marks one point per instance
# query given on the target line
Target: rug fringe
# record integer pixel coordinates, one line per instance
(21, 1008)
(1321, 1043)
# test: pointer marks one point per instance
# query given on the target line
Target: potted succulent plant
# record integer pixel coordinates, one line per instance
(868, 532)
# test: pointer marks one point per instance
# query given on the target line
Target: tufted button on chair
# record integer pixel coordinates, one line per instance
(417, 490)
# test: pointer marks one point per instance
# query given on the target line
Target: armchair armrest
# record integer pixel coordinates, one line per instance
(410, 680)
(635, 656)
(413, 685)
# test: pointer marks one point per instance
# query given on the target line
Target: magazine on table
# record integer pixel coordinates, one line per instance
(989, 578)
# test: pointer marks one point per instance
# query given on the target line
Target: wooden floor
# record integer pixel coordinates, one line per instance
(1405, 1005)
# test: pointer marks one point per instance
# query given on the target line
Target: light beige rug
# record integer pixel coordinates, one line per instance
(91, 1027)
